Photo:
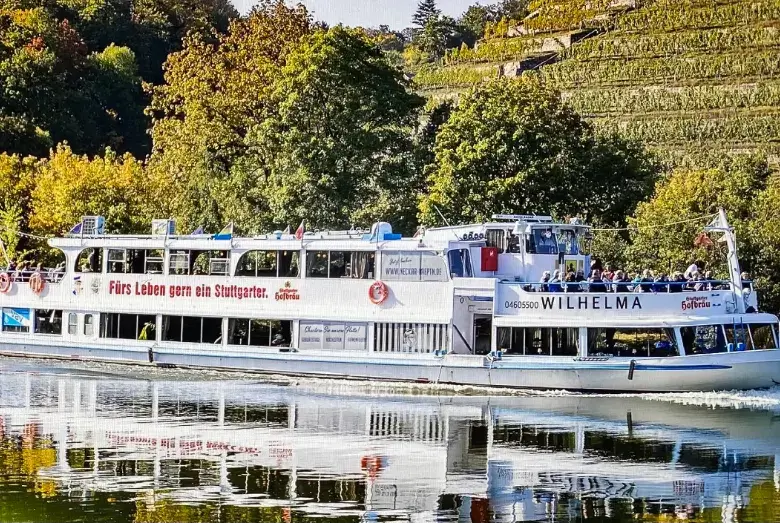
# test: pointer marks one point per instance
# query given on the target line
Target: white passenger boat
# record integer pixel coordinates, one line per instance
(451, 305)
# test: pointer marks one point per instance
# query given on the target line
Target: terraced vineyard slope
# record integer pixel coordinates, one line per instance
(679, 75)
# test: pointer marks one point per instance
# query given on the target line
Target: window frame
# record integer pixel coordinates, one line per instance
(91, 324)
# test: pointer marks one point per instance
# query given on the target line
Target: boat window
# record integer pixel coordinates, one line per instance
(90, 260)
(171, 328)
(513, 244)
(737, 337)
(154, 261)
(317, 264)
(703, 339)
(539, 341)
(179, 262)
(259, 333)
(351, 264)
(192, 329)
(89, 329)
(48, 321)
(16, 320)
(763, 336)
(266, 264)
(73, 323)
(116, 261)
(460, 263)
(126, 326)
(495, 238)
(568, 242)
(410, 337)
(632, 343)
(333, 336)
(541, 241)
(214, 263)
(288, 264)
(135, 261)
(211, 330)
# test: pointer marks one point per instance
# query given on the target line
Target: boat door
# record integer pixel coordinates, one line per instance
(483, 330)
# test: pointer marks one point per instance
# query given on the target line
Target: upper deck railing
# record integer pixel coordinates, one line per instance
(628, 286)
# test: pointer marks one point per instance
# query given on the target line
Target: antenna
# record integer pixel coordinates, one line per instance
(446, 222)
(442, 216)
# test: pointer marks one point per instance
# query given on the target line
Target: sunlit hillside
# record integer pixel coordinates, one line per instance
(678, 75)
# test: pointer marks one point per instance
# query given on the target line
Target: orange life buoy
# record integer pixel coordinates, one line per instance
(37, 283)
(378, 292)
(5, 282)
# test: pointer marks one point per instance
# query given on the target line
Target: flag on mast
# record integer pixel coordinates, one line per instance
(76, 229)
(197, 231)
(300, 230)
(226, 233)
(287, 230)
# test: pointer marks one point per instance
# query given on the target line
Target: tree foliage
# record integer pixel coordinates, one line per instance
(69, 69)
(513, 147)
(69, 186)
(323, 134)
(426, 12)
(685, 195)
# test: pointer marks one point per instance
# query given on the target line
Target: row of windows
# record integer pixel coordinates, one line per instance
(413, 265)
(533, 341)
(659, 342)
(41, 321)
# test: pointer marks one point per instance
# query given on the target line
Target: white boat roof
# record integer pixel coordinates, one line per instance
(285, 243)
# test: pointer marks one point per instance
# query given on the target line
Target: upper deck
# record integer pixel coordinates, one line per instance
(482, 266)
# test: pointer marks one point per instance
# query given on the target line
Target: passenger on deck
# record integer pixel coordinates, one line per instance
(646, 282)
(661, 283)
(596, 282)
(693, 268)
(746, 283)
(570, 284)
(677, 282)
(621, 282)
(555, 282)
(544, 287)
(608, 273)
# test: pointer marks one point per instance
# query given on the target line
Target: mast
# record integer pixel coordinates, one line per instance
(721, 224)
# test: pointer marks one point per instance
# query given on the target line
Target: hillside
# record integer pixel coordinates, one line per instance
(678, 75)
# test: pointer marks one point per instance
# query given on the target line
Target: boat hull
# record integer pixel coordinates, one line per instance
(729, 371)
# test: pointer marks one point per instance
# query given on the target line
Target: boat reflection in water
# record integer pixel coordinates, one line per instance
(111, 449)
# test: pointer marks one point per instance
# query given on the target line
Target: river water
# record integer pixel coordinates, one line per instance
(115, 443)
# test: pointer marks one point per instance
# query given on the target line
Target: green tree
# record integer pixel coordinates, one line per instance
(475, 18)
(204, 112)
(337, 146)
(434, 37)
(17, 178)
(512, 146)
(685, 195)
(325, 133)
(69, 186)
(426, 12)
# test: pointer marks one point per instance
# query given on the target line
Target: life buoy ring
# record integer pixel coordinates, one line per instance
(37, 283)
(378, 292)
(5, 282)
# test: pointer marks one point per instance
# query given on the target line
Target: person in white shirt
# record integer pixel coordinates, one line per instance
(695, 267)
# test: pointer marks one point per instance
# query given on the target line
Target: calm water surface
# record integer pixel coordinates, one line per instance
(112, 443)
